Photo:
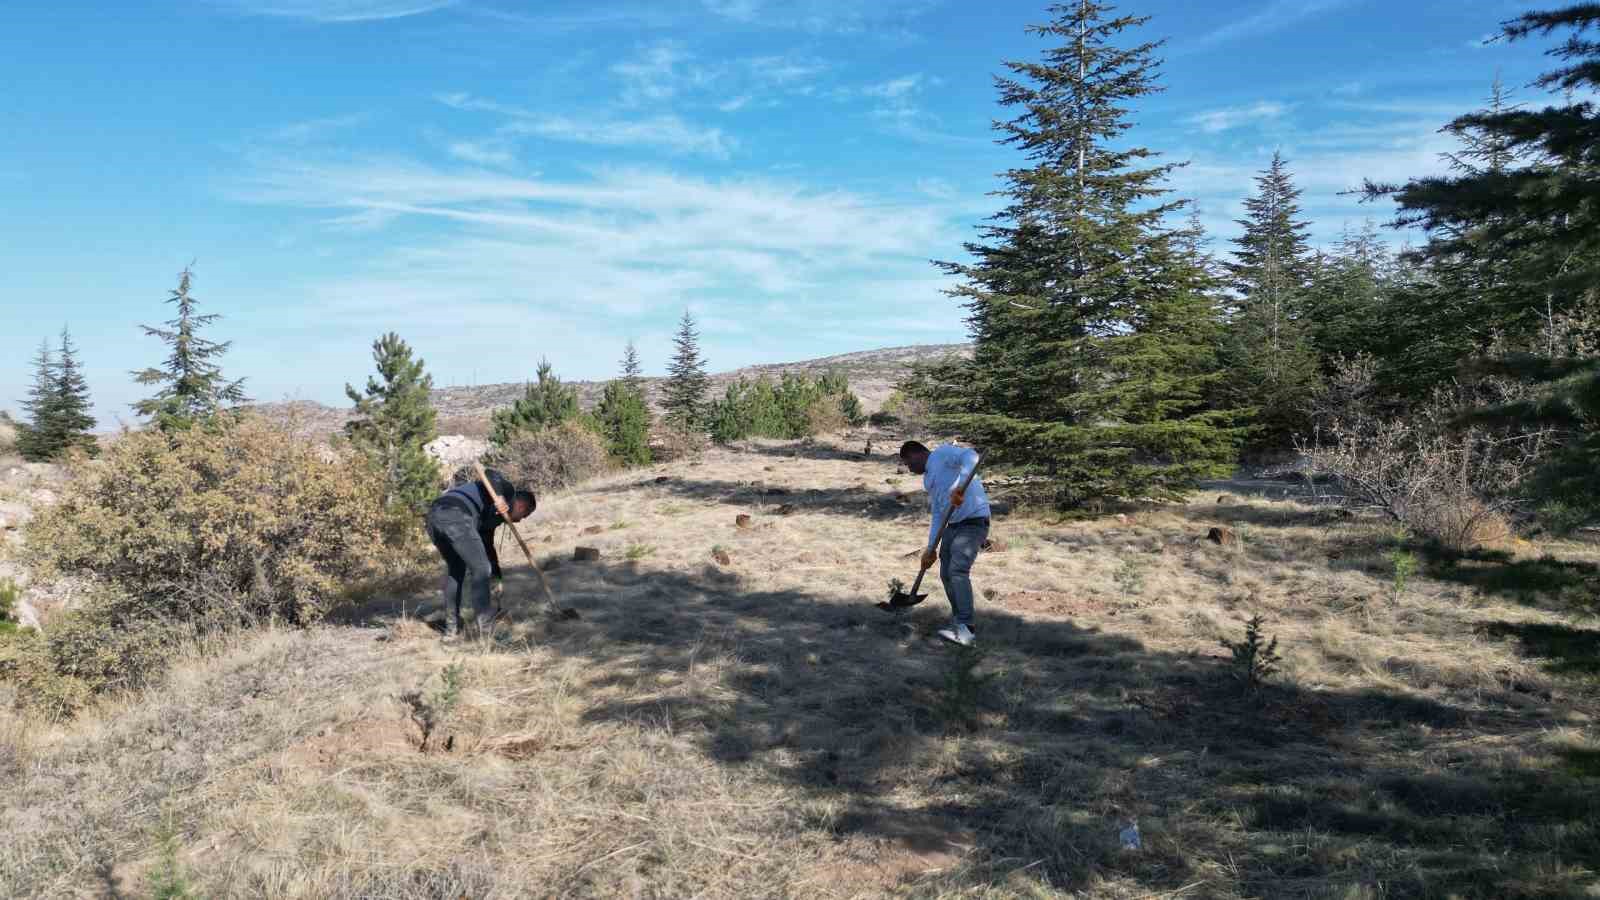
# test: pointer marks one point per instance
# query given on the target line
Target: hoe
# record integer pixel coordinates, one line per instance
(555, 608)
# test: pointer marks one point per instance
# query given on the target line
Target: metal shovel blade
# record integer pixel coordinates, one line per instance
(901, 600)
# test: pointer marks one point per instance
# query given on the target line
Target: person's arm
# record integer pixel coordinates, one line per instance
(938, 500)
(944, 501)
(969, 462)
(504, 489)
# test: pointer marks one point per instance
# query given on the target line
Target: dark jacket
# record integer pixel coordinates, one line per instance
(471, 501)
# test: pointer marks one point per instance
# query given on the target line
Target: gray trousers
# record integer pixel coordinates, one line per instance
(957, 552)
(454, 533)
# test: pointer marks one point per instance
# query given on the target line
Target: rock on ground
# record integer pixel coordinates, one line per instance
(453, 450)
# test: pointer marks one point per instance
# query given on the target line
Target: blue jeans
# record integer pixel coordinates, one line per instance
(957, 552)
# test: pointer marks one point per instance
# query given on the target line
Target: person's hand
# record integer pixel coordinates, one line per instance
(501, 507)
(929, 557)
(957, 496)
(497, 587)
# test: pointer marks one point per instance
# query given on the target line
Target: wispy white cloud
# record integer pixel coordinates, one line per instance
(824, 16)
(610, 15)
(668, 72)
(896, 88)
(785, 70)
(1437, 110)
(483, 153)
(1484, 42)
(337, 11)
(1219, 120)
(896, 105)
(660, 72)
(583, 255)
(667, 132)
(1328, 164)
(1272, 16)
(312, 130)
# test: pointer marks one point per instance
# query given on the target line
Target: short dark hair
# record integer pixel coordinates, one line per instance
(527, 497)
(910, 447)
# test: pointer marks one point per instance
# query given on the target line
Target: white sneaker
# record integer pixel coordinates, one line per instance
(960, 635)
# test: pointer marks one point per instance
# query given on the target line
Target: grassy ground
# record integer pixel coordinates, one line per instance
(757, 728)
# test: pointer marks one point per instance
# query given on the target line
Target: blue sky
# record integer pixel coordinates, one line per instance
(499, 181)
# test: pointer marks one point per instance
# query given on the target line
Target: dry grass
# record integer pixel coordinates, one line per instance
(758, 728)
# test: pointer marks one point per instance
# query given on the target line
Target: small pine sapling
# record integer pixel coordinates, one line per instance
(1254, 659)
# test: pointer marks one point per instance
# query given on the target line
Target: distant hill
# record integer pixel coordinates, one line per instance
(465, 410)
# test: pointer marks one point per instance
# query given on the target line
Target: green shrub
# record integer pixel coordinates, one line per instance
(553, 458)
(431, 712)
(1254, 659)
(545, 403)
(910, 414)
(794, 407)
(243, 516)
(1129, 577)
(624, 419)
(171, 880)
(824, 416)
(187, 533)
(111, 646)
(9, 595)
(850, 408)
(25, 661)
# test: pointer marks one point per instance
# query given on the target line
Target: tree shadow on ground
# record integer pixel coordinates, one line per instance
(1263, 488)
(1525, 580)
(1068, 732)
(883, 451)
(1285, 515)
(860, 501)
(1566, 650)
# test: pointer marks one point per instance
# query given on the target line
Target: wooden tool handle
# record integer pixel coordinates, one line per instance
(483, 479)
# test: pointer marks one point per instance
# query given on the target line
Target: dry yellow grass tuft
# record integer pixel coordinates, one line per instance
(733, 718)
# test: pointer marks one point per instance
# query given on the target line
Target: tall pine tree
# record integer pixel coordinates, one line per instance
(632, 371)
(1093, 323)
(624, 414)
(685, 390)
(1272, 366)
(545, 402)
(624, 423)
(1353, 291)
(33, 432)
(193, 389)
(1542, 220)
(57, 406)
(394, 422)
(70, 420)
(1470, 298)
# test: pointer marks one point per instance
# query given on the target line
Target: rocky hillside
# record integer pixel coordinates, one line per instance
(465, 410)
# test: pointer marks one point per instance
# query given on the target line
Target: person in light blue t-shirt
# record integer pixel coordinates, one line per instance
(942, 470)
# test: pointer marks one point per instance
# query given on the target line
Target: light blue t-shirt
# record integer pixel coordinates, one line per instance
(947, 465)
